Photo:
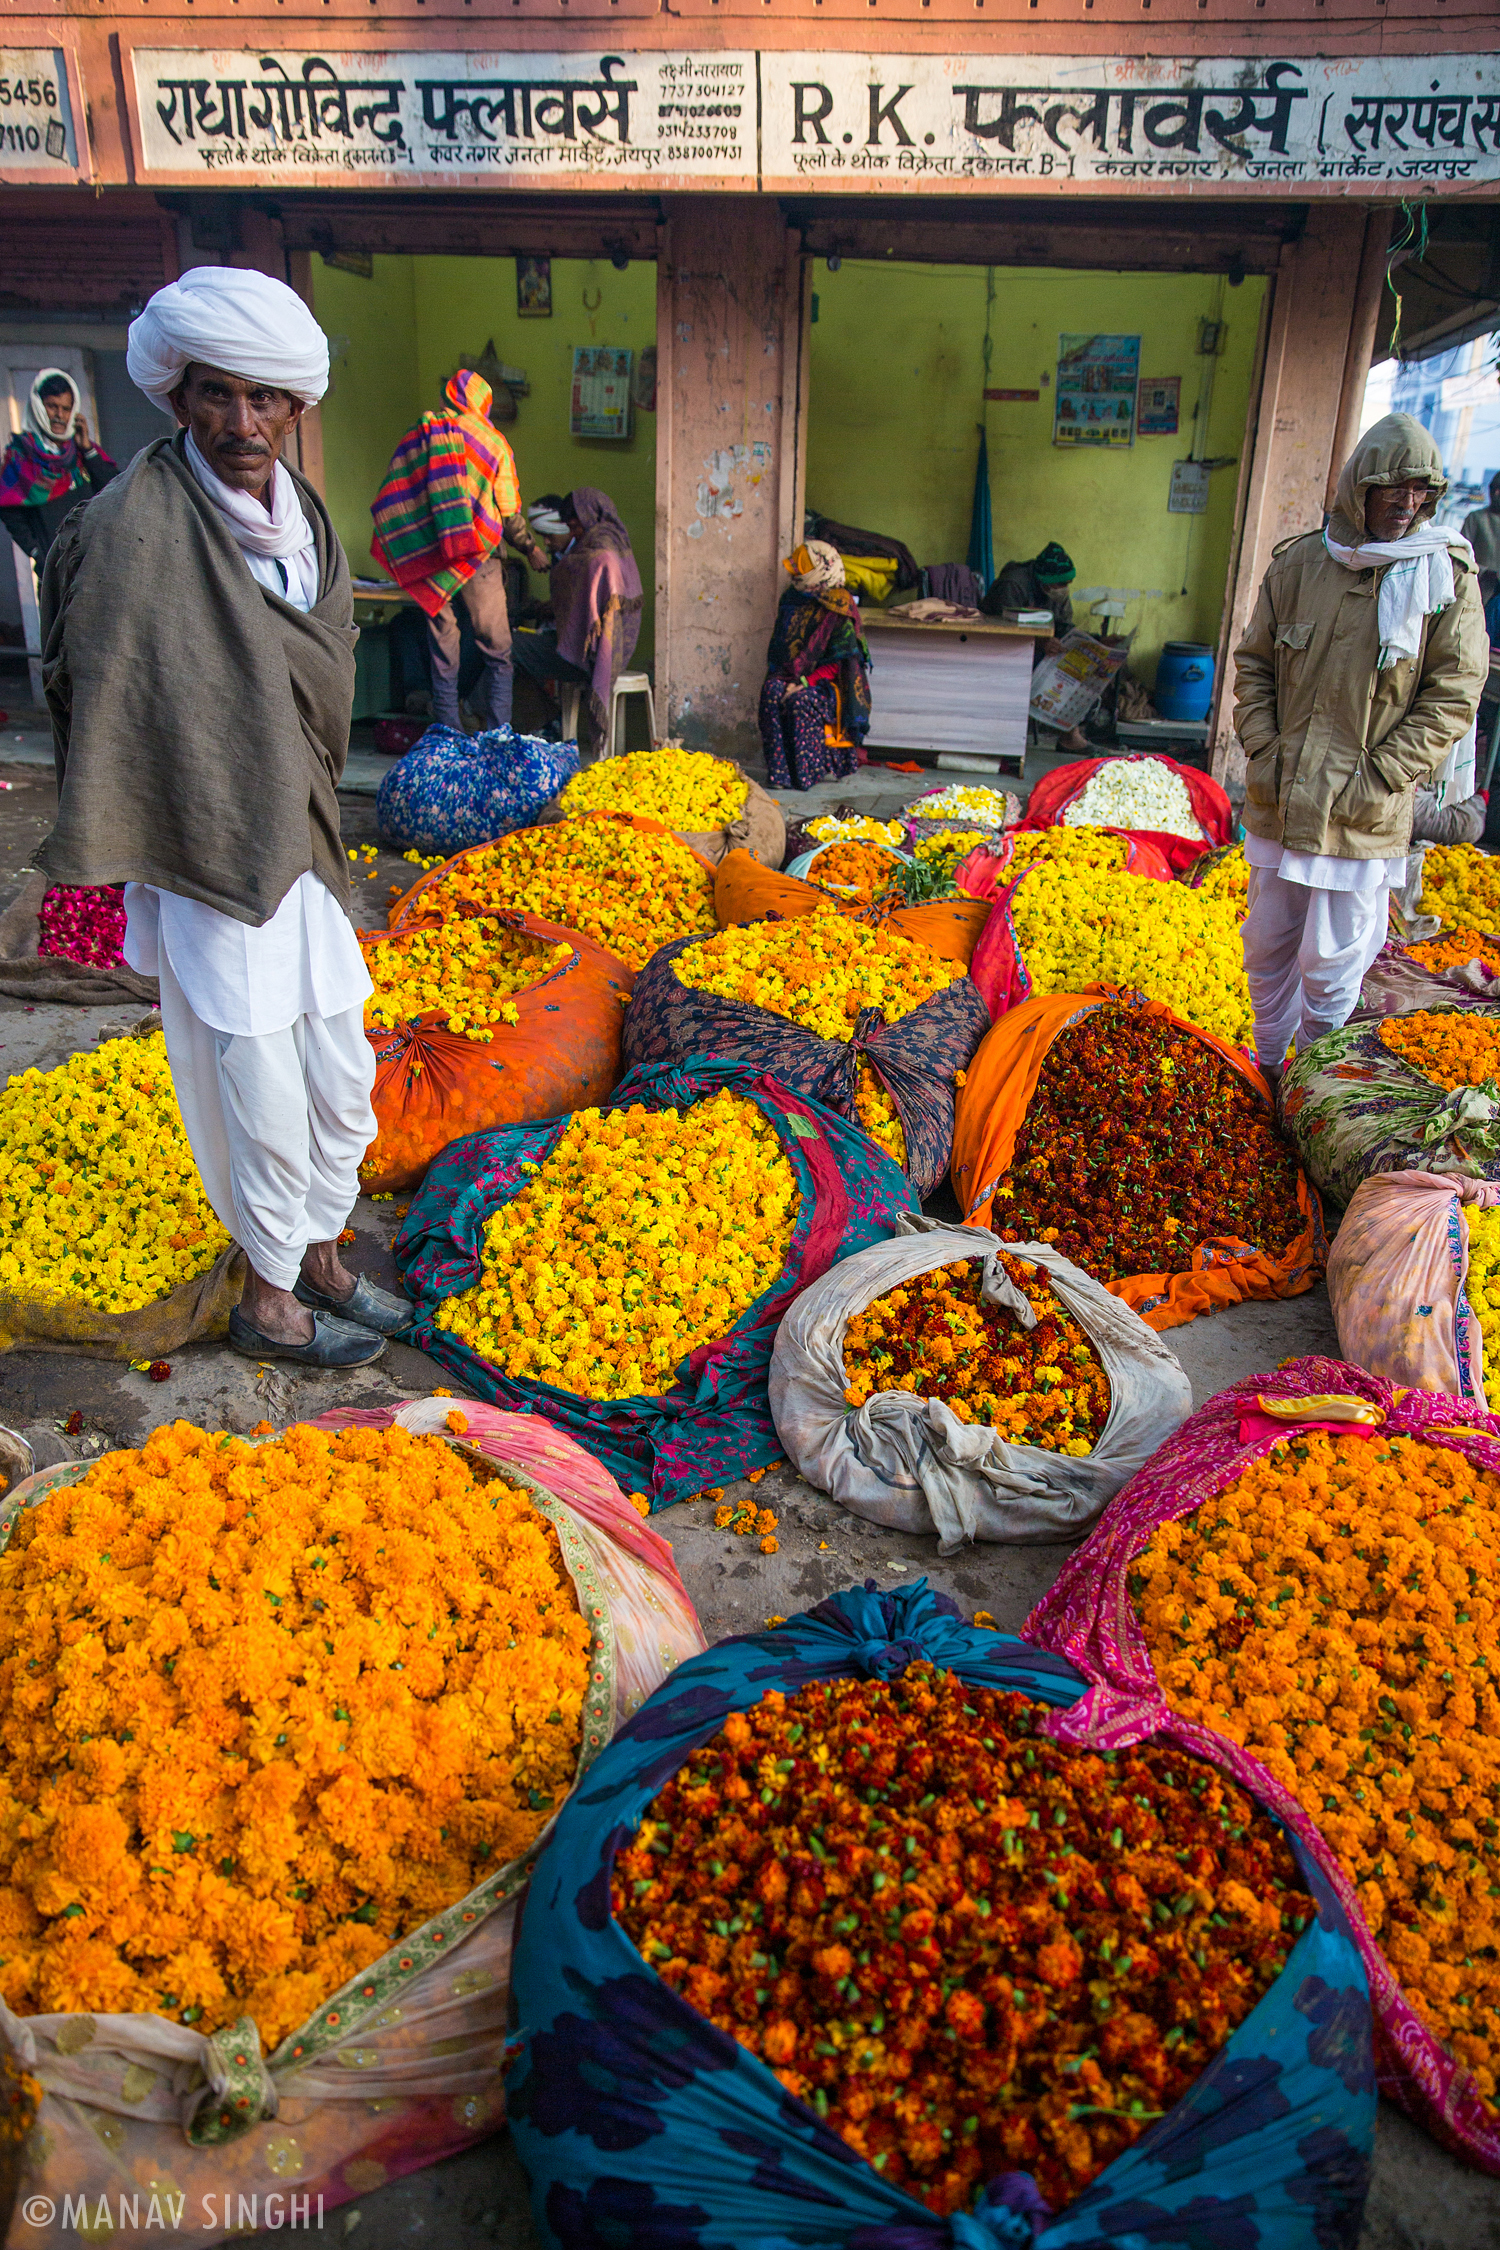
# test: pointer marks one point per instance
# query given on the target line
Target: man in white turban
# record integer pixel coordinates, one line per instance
(199, 666)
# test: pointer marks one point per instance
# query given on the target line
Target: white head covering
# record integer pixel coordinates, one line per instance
(36, 410)
(547, 521)
(228, 317)
(281, 535)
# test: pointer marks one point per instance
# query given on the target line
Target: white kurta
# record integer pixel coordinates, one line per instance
(265, 1026)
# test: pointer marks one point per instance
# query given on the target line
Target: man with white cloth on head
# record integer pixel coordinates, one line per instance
(1357, 681)
(199, 666)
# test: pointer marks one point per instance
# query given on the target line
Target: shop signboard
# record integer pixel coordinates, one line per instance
(37, 138)
(1396, 124)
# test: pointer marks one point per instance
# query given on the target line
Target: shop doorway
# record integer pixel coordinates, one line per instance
(398, 327)
(913, 365)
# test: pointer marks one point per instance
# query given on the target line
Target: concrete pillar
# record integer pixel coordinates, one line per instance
(1323, 293)
(731, 341)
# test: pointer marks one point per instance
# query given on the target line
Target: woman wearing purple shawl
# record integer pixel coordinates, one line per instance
(596, 600)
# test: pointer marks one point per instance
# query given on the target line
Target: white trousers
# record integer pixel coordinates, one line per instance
(277, 1125)
(1306, 954)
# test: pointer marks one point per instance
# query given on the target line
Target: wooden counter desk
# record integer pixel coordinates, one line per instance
(950, 684)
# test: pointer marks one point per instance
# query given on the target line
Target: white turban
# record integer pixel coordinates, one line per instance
(228, 317)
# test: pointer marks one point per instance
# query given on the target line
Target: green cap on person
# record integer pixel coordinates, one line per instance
(1054, 566)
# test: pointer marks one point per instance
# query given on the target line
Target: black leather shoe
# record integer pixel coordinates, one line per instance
(369, 1307)
(333, 1343)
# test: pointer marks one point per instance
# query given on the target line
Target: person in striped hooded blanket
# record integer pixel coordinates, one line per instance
(450, 501)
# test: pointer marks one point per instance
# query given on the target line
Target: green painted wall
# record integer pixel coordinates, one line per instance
(897, 378)
(398, 338)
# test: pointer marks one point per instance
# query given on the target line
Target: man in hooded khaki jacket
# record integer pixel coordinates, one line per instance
(1357, 681)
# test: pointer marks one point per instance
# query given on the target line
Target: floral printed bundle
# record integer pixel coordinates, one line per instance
(937, 1337)
(1333, 1609)
(969, 1949)
(1139, 1144)
(264, 1710)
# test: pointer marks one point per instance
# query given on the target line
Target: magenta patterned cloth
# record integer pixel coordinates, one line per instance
(1088, 1617)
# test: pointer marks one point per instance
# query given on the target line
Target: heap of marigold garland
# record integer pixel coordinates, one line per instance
(936, 1336)
(1455, 949)
(1462, 884)
(265, 1709)
(820, 971)
(1139, 1144)
(684, 788)
(1080, 926)
(970, 1950)
(1073, 847)
(1451, 1046)
(632, 890)
(100, 1200)
(859, 873)
(1334, 1610)
(643, 1234)
(465, 969)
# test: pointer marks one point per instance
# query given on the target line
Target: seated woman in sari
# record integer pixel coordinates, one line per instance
(595, 591)
(818, 679)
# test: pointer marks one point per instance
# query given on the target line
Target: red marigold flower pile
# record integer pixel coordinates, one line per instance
(1141, 1143)
(84, 923)
(970, 1949)
(936, 1336)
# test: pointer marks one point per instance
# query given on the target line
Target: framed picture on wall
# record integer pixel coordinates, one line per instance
(1158, 405)
(601, 392)
(534, 288)
(1094, 403)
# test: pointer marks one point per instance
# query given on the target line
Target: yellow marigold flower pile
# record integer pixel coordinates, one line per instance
(684, 788)
(644, 1234)
(100, 1200)
(1335, 1611)
(986, 808)
(631, 890)
(467, 967)
(820, 971)
(1451, 1046)
(858, 873)
(1482, 1288)
(1454, 949)
(950, 845)
(1462, 884)
(1068, 847)
(1080, 926)
(827, 829)
(1229, 880)
(264, 1710)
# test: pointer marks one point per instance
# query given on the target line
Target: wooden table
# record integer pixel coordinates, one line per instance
(950, 685)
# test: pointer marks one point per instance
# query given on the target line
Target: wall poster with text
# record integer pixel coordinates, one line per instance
(1096, 385)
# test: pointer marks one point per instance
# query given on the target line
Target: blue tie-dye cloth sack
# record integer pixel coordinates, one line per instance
(452, 791)
(644, 2127)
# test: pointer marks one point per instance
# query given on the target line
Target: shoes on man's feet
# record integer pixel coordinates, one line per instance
(333, 1343)
(369, 1307)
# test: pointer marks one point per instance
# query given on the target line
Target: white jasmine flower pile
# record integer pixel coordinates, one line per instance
(1136, 793)
(977, 808)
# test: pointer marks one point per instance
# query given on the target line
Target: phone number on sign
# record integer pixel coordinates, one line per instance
(27, 93)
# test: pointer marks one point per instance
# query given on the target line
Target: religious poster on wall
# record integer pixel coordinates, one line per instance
(836, 121)
(601, 392)
(1094, 403)
(1158, 405)
(36, 116)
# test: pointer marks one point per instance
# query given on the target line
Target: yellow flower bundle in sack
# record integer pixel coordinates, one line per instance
(284, 1723)
(624, 881)
(864, 1019)
(710, 802)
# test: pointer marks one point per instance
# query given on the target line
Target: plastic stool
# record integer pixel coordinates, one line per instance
(629, 683)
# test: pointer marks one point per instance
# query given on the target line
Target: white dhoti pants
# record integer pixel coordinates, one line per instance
(277, 1124)
(1306, 954)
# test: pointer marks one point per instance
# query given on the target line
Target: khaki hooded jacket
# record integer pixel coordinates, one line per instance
(1335, 747)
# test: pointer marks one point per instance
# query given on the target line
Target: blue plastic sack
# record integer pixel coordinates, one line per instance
(644, 2127)
(452, 791)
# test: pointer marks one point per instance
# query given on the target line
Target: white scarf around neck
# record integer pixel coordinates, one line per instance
(1418, 582)
(282, 535)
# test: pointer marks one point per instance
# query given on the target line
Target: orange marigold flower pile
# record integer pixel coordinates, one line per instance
(858, 873)
(467, 970)
(1451, 1046)
(629, 888)
(936, 1336)
(820, 971)
(971, 1950)
(1334, 1610)
(264, 1709)
(743, 1518)
(1455, 949)
(642, 1235)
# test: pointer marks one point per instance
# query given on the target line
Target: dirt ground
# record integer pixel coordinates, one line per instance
(1421, 2199)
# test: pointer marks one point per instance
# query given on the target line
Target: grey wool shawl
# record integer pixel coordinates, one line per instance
(200, 724)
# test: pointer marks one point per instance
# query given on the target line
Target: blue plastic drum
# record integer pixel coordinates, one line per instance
(1184, 680)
